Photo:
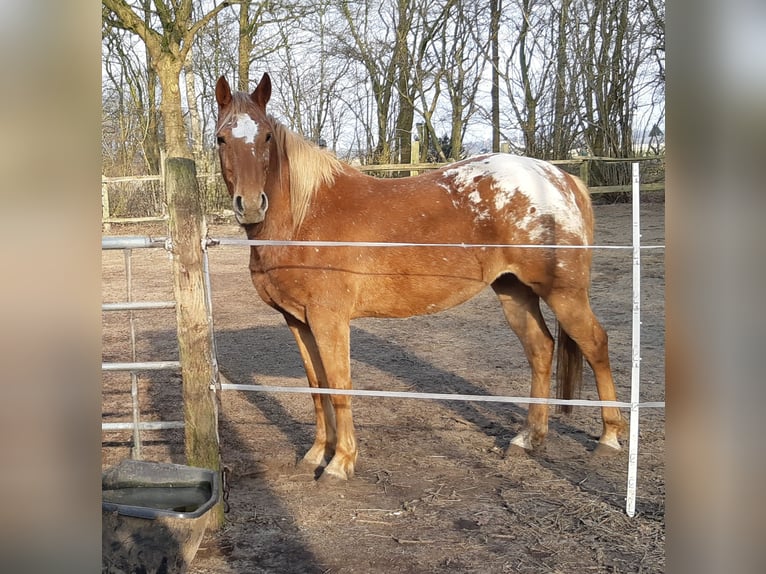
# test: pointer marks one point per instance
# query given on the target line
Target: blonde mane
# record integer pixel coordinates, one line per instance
(310, 166)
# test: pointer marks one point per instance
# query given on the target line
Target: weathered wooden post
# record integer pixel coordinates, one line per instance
(415, 155)
(105, 225)
(585, 171)
(194, 329)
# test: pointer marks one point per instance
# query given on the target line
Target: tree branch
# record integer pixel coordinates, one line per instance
(128, 20)
(197, 26)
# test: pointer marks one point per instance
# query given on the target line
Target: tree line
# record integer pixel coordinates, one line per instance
(364, 77)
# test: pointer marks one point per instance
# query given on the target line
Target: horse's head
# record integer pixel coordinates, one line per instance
(246, 148)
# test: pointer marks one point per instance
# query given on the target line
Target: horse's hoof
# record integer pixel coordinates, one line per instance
(327, 479)
(604, 451)
(516, 451)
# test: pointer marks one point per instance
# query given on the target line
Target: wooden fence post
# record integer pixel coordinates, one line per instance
(585, 171)
(194, 328)
(415, 155)
(105, 225)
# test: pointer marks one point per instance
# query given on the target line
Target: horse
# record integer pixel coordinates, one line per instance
(283, 187)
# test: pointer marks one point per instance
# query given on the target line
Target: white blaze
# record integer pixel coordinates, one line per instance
(245, 128)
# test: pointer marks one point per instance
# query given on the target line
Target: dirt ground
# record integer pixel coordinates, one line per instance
(432, 492)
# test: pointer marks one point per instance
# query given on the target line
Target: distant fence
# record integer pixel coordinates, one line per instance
(141, 198)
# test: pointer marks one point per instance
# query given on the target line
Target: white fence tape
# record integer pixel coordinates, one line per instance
(293, 243)
(439, 396)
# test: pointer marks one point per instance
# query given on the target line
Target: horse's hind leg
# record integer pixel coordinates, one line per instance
(573, 311)
(323, 448)
(522, 310)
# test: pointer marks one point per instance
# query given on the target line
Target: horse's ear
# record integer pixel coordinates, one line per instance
(262, 92)
(222, 92)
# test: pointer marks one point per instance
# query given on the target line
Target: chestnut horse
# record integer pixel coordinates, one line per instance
(286, 188)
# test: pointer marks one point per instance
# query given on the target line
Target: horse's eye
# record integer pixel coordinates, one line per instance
(268, 137)
(220, 140)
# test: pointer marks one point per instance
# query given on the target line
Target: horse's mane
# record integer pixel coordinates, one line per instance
(310, 166)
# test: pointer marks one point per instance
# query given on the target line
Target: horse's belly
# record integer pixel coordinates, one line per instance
(413, 294)
(377, 283)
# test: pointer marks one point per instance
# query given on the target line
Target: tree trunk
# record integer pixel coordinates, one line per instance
(529, 121)
(561, 140)
(152, 141)
(406, 115)
(194, 329)
(495, 6)
(244, 47)
(191, 97)
(382, 152)
(405, 118)
(176, 143)
(456, 136)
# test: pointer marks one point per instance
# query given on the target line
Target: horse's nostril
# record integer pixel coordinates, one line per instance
(239, 205)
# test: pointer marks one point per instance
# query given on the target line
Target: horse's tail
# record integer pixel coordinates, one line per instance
(568, 369)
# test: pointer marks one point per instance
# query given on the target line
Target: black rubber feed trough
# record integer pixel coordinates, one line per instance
(154, 516)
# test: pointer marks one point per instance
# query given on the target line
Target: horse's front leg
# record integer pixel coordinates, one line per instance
(323, 448)
(331, 334)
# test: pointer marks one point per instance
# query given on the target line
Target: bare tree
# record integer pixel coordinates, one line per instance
(264, 29)
(462, 77)
(564, 121)
(445, 60)
(168, 35)
(607, 68)
(656, 29)
(380, 48)
(123, 104)
(425, 72)
(547, 75)
(312, 76)
(574, 71)
(495, 7)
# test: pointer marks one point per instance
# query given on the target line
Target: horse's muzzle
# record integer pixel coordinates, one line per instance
(246, 213)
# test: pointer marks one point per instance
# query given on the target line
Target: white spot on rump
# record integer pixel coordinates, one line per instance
(536, 180)
(475, 198)
(245, 128)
